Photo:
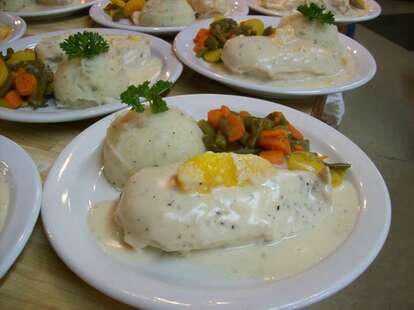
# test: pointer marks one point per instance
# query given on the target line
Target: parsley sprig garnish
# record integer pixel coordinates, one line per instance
(84, 45)
(134, 96)
(315, 12)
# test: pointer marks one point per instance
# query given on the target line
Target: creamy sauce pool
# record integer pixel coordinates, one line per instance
(4, 194)
(344, 75)
(264, 261)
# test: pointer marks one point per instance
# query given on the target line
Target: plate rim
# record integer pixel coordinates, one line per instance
(139, 299)
(376, 11)
(97, 14)
(68, 115)
(182, 51)
(13, 230)
(55, 11)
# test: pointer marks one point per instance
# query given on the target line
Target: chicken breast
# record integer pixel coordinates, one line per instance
(164, 13)
(241, 199)
(49, 51)
(80, 83)
(298, 50)
(209, 8)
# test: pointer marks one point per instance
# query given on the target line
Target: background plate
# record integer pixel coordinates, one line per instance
(171, 71)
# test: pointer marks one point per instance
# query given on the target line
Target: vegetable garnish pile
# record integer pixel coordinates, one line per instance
(84, 45)
(317, 13)
(272, 137)
(119, 9)
(209, 42)
(24, 80)
(135, 96)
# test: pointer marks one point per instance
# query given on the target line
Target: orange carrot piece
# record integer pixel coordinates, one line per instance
(200, 39)
(25, 83)
(13, 99)
(274, 156)
(276, 143)
(278, 117)
(296, 134)
(237, 127)
(278, 132)
(225, 110)
(244, 114)
(298, 148)
(213, 117)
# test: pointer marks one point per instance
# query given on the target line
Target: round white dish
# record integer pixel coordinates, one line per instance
(75, 183)
(373, 12)
(25, 199)
(98, 15)
(48, 11)
(171, 71)
(183, 47)
(17, 25)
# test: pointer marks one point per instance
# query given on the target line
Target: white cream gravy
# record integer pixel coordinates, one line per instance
(312, 81)
(264, 261)
(4, 194)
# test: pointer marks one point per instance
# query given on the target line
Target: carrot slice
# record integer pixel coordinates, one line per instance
(200, 39)
(225, 110)
(298, 148)
(25, 83)
(276, 143)
(296, 134)
(244, 114)
(237, 127)
(213, 117)
(278, 132)
(274, 156)
(278, 117)
(13, 99)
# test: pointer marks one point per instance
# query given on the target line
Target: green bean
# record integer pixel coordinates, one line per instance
(268, 124)
(206, 128)
(210, 144)
(7, 84)
(243, 140)
(221, 141)
(256, 128)
(212, 43)
(225, 127)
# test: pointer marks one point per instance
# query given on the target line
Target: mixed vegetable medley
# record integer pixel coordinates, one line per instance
(119, 9)
(272, 137)
(24, 80)
(209, 42)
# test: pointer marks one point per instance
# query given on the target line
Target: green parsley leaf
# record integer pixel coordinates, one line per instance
(84, 45)
(315, 12)
(134, 96)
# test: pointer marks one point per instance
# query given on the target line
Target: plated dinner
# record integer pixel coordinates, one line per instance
(184, 193)
(345, 11)
(162, 17)
(79, 73)
(20, 196)
(44, 8)
(271, 57)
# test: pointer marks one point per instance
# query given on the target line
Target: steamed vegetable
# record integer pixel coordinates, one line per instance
(24, 80)
(209, 43)
(119, 9)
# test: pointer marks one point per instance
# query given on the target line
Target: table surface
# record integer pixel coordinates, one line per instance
(39, 279)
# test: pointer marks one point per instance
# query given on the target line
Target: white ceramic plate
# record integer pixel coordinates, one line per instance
(97, 13)
(25, 198)
(373, 12)
(171, 71)
(183, 46)
(48, 11)
(17, 25)
(75, 183)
